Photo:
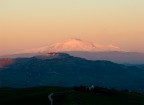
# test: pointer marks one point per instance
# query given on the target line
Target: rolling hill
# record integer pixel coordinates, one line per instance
(60, 69)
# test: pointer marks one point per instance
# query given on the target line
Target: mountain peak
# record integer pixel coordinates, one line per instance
(73, 39)
(71, 45)
(74, 44)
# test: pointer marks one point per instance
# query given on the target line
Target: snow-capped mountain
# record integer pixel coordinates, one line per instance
(83, 49)
(73, 45)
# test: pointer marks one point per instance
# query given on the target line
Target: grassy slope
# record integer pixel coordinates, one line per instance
(88, 98)
(103, 96)
(38, 95)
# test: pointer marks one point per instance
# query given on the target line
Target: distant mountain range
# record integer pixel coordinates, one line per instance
(87, 50)
(60, 69)
(133, 58)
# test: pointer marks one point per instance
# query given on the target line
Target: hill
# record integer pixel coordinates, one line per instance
(60, 69)
(79, 96)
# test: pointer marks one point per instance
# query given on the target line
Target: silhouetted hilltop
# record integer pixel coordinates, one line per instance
(61, 69)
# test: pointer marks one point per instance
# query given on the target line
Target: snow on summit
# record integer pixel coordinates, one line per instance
(73, 45)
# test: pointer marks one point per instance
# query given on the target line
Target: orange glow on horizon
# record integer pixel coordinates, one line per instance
(33, 23)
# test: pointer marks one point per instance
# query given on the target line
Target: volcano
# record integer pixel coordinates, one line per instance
(84, 49)
(74, 45)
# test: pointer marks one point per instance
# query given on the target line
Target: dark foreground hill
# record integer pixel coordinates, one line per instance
(68, 96)
(58, 69)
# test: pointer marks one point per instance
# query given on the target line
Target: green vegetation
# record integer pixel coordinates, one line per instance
(100, 96)
(69, 96)
(81, 98)
(36, 95)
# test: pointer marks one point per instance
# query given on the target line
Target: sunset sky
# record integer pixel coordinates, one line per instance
(26, 24)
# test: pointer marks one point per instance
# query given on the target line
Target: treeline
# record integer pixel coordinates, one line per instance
(102, 90)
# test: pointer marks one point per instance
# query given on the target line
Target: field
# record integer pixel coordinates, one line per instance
(68, 96)
(36, 95)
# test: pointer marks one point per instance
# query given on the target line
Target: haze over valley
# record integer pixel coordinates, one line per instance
(87, 50)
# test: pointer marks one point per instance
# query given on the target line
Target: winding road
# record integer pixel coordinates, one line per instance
(50, 96)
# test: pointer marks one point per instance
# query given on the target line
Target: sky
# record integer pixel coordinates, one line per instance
(26, 24)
